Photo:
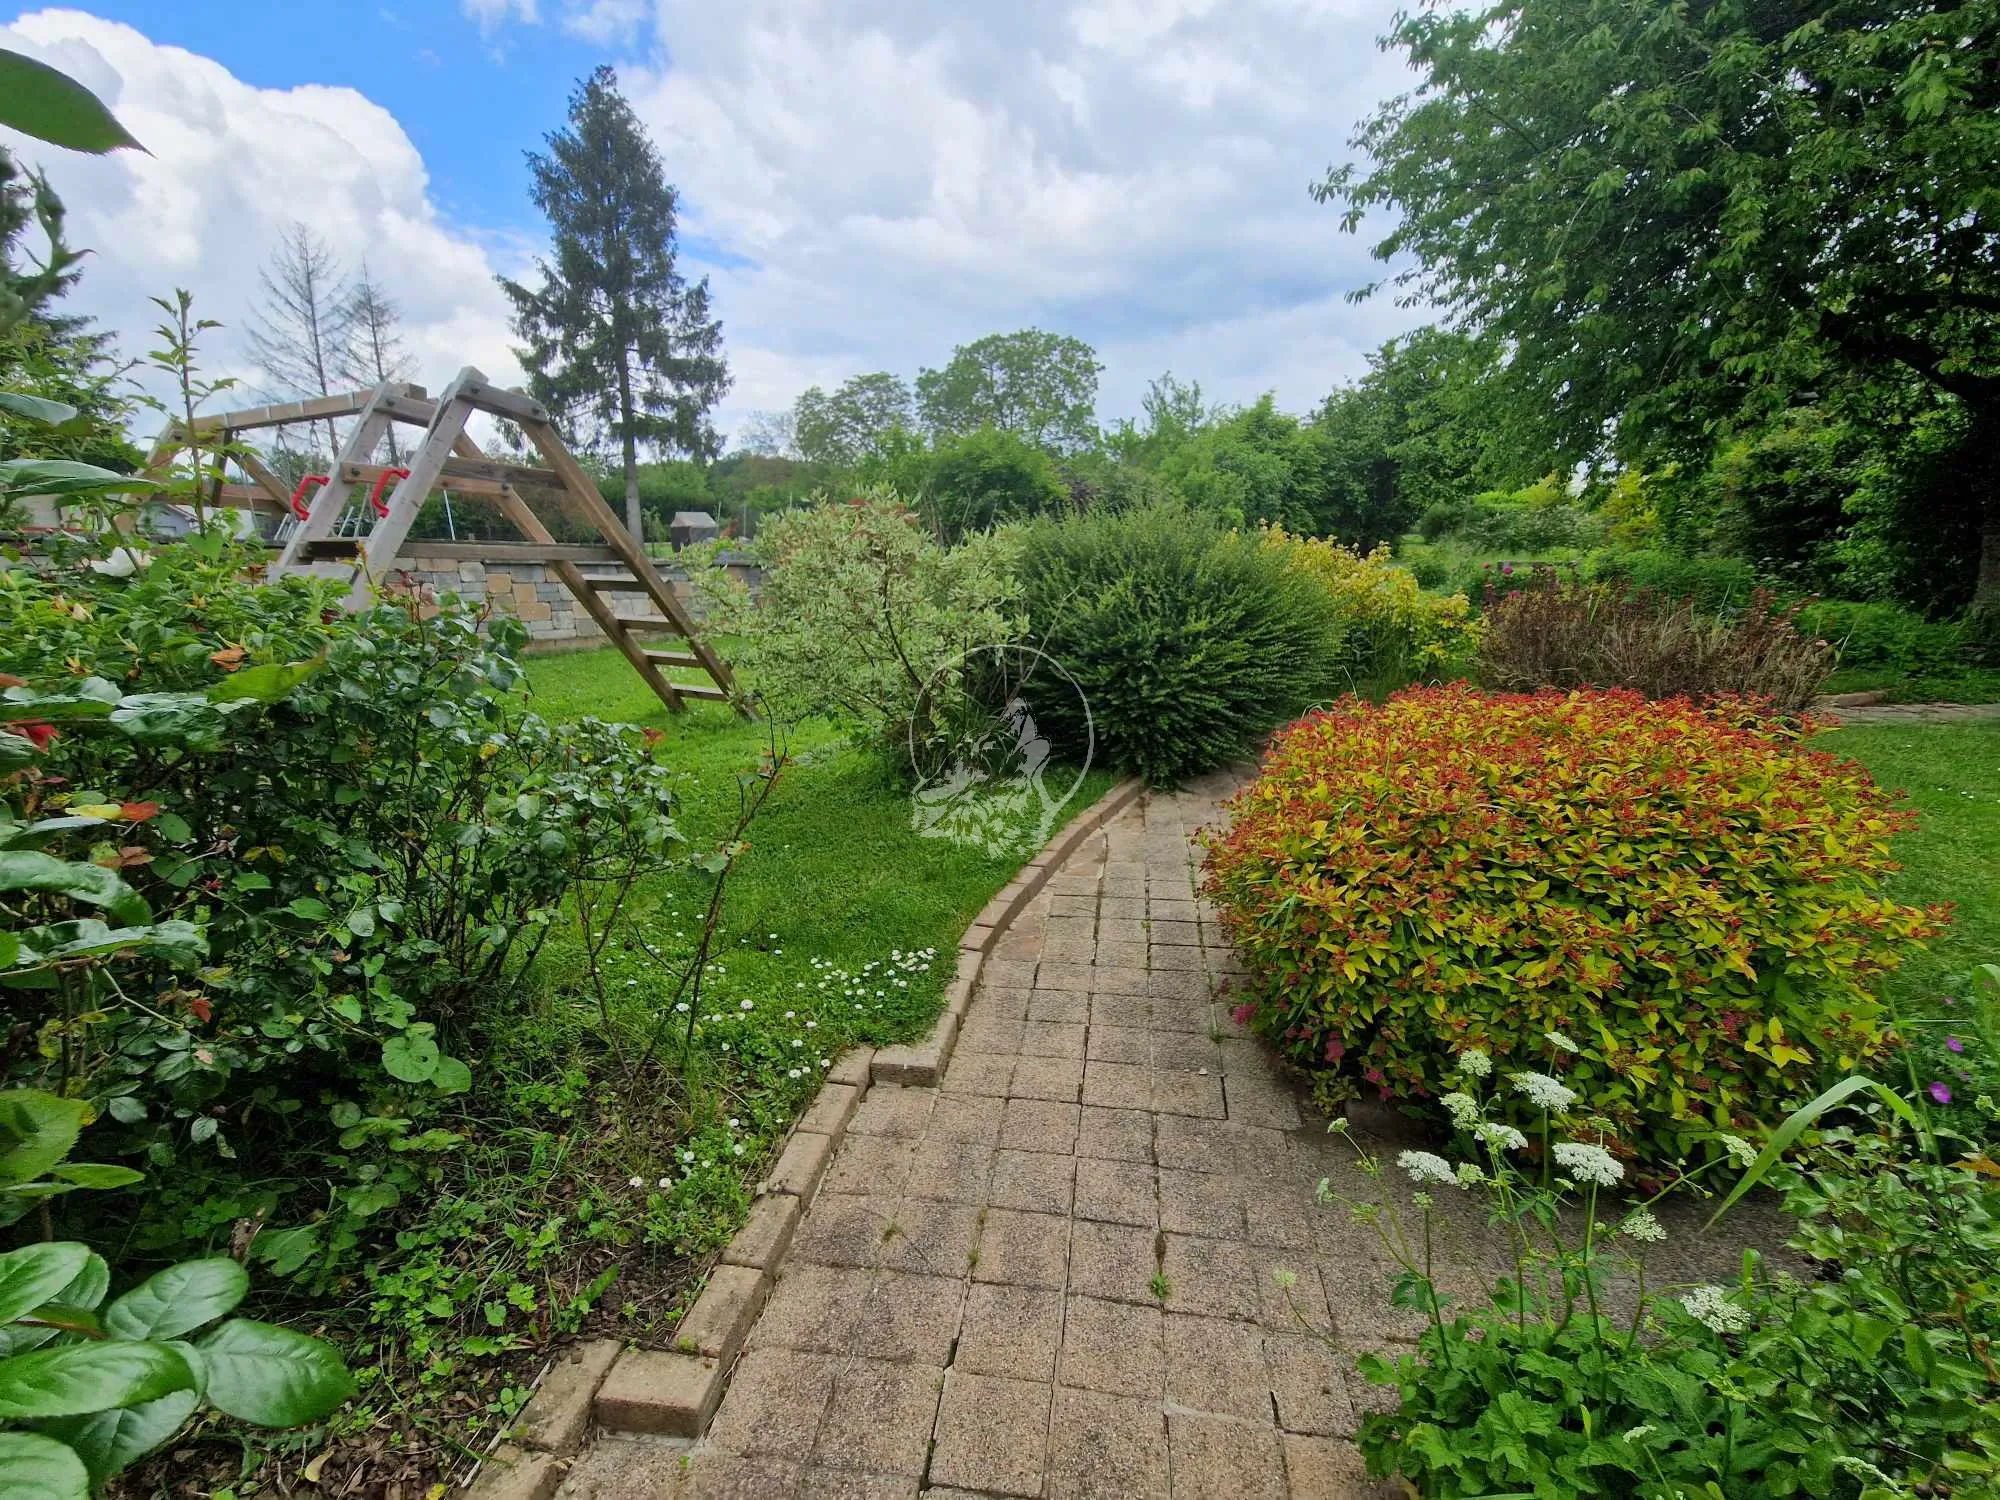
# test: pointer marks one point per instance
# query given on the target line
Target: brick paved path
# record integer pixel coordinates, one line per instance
(1054, 1275)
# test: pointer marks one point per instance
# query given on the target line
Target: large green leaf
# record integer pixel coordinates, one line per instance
(77, 1379)
(31, 1464)
(90, 698)
(32, 870)
(110, 1441)
(64, 477)
(178, 1300)
(90, 1284)
(36, 408)
(51, 106)
(410, 1056)
(176, 941)
(1794, 1125)
(36, 1131)
(272, 1376)
(36, 1274)
(265, 684)
(96, 1175)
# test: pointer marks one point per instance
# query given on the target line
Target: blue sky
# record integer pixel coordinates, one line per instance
(867, 182)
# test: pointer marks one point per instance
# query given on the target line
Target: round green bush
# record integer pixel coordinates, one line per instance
(1188, 641)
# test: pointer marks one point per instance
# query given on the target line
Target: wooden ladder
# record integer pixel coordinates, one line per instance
(447, 455)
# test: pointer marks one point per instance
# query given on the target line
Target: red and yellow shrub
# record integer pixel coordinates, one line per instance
(1689, 894)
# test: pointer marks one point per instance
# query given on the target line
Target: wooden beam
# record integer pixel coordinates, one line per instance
(404, 402)
(269, 482)
(474, 477)
(482, 393)
(505, 552)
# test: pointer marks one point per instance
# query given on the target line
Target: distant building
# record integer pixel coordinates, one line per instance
(690, 526)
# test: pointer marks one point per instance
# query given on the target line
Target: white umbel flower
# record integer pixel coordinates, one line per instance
(1642, 1226)
(1462, 1108)
(1591, 1164)
(1560, 1042)
(1474, 1063)
(1740, 1151)
(1427, 1166)
(1501, 1137)
(1711, 1307)
(1544, 1092)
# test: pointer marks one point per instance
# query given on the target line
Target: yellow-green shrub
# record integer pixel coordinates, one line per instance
(1396, 631)
(1689, 895)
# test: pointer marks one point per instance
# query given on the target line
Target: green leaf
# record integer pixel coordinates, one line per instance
(112, 1441)
(273, 1376)
(176, 941)
(173, 828)
(92, 698)
(36, 1274)
(51, 106)
(451, 1076)
(96, 1175)
(64, 477)
(178, 1300)
(266, 684)
(90, 1285)
(1795, 1125)
(36, 1131)
(32, 870)
(40, 1466)
(36, 409)
(77, 1379)
(312, 909)
(410, 1056)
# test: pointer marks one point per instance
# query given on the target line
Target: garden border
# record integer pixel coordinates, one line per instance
(674, 1392)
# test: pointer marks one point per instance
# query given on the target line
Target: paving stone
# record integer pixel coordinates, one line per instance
(1010, 1002)
(1112, 1260)
(1287, 1222)
(1121, 956)
(1196, 1145)
(1013, 1331)
(1039, 1125)
(1204, 1203)
(931, 1237)
(1117, 1192)
(977, 1073)
(1220, 1458)
(1324, 1469)
(1022, 1249)
(832, 1107)
(1158, 958)
(1121, 907)
(1168, 909)
(1109, 1085)
(879, 1418)
(1214, 1278)
(1111, 1346)
(1116, 1134)
(992, 1435)
(1309, 1381)
(893, 1110)
(1217, 1366)
(766, 1235)
(1119, 979)
(1134, 1011)
(1132, 1045)
(870, 1164)
(1067, 905)
(1182, 986)
(845, 1229)
(1106, 1447)
(918, 1063)
(956, 1171)
(722, 1314)
(910, 1319)
(1058, 1078)
(1295, 1301)
(1003, 973)
(558, 1415)
(1053, 975)
(800, 1165)
(652, 1390)
(815, 1308)
(1186, 1052)
(643, 1468)
(1063, 1039)
(845, 1484)
(964, 1118)
(1036, 1181)
(1194, 1094)
(997, 1035)
(1260, 1101)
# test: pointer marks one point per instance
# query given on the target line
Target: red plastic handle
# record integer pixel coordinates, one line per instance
(375, 495)
(299, 507)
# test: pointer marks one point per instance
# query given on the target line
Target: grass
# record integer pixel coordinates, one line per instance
(1968, 685)
(1951, 775)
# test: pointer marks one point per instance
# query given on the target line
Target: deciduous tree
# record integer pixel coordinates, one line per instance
(839, 429)
(1040, 386)
(300, 331)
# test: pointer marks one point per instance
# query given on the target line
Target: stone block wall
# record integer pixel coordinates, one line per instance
(534, 595)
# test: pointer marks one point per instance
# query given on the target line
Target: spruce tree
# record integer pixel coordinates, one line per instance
(617, 341)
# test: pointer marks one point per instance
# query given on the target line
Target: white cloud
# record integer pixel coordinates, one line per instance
(229, 167)
(490, 14)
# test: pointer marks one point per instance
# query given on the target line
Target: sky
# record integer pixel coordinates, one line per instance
(866, 183)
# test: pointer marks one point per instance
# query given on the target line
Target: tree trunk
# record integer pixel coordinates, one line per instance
(634, 523)
(1985, 451)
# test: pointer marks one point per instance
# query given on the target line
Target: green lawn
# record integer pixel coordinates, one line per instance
(1951, 774)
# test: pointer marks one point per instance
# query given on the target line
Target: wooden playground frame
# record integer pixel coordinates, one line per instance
(447, 455)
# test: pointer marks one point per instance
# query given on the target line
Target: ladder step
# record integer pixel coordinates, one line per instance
(616, 585)
(674, 659)
(644, 623)
(704, 694)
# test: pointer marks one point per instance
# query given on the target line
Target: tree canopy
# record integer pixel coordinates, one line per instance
(1039, 386)
(843, 427)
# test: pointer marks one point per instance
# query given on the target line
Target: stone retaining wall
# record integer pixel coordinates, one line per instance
(534, 595)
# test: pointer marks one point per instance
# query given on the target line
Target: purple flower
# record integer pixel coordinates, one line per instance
(1941, 1093)
(1954, 1044)
(1506, 567)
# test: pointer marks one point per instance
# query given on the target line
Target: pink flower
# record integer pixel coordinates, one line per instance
(1954, 1043)
(1241, 1015)
(1941, 1092)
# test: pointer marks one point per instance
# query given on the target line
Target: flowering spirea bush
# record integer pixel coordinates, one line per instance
(1682, 905)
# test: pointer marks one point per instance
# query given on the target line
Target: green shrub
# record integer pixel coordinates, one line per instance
(1713, 583)
(1696, 902)
(1885, 635)
(986, 477)
(1548, 633)
(1868, 1381)
(1188, 641)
